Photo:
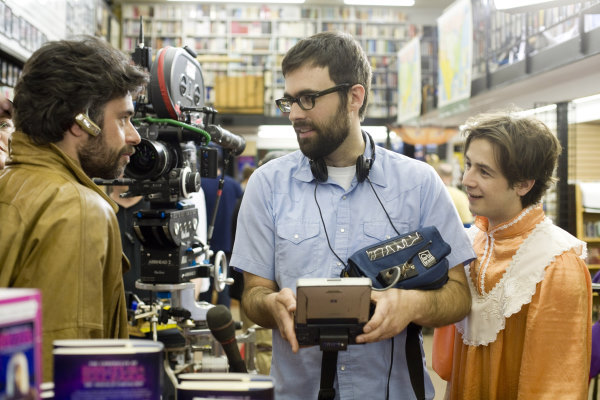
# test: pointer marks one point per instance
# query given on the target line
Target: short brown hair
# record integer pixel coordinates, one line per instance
(67, 77)
(340, 53)
(524, 148)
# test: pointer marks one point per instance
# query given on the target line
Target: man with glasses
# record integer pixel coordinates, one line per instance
(305, 213)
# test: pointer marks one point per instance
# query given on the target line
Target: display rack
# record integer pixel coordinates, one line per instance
(258, 36)
(429, 68)
(588, 228)
(502, 39)
(24, 29)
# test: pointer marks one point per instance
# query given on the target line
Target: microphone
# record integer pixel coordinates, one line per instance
(226, 139)
(220, 323)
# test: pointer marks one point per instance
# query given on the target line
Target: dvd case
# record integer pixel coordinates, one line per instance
(108, 369)
(20, 343)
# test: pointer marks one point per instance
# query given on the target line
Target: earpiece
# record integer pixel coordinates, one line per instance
(363, 164)
(87, 124)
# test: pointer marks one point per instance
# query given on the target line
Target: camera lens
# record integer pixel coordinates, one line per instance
(151, 160)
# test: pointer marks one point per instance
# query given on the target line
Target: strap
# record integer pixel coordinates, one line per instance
(414, 360)
(328, 370)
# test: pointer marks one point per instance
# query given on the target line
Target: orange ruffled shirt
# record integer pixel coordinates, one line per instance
(544, 350)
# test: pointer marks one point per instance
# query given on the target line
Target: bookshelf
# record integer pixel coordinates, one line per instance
(587, 224)
(429, 68)
(252, 40)
(504, 38)
(24, 29)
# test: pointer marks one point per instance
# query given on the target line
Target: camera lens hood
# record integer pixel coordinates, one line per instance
(152, 159)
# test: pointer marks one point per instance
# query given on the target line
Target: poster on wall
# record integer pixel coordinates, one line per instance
(455, 53)
(409, 81)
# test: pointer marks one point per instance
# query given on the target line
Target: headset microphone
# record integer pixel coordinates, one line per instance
(220, 323)
(87, 124)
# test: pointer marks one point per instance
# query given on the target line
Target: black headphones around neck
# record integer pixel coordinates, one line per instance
(363, 164)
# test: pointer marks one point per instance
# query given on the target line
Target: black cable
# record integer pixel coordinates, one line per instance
(387, 390)
(384, 210)
(325, 229)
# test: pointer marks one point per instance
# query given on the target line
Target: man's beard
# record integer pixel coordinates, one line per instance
(327, 138)
(99, 161)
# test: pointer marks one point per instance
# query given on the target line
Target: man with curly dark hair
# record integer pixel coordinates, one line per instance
(72, 115)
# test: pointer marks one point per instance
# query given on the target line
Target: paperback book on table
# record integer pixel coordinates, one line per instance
(108, 369)
(20, 343)
(231, 386)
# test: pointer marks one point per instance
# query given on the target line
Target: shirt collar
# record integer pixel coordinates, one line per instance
(376, 175)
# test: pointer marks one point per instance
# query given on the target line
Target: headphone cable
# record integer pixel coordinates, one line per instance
(387, 392)
(325, 229)
(384, 210)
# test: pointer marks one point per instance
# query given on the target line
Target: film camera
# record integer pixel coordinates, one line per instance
(179, 146)
(176, 129)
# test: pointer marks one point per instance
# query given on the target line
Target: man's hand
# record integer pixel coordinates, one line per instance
(283, 305)
(270, 308)
(390, 316)
(396, 308)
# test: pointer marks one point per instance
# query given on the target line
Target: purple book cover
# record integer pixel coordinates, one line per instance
(20, 343)
(108, 369)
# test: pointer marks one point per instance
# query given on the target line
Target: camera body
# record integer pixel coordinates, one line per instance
(173, 155)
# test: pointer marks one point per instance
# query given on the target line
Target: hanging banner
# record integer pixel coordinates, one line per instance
(409, 81)
(424, 135)
(455, 53)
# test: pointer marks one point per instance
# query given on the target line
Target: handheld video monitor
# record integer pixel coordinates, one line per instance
(331, 309)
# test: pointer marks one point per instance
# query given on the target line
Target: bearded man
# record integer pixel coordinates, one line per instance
(304, 214)
(72, 114)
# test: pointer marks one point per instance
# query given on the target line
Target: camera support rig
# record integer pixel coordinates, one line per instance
(166, 169)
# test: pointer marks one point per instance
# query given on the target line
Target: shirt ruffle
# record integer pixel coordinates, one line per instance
(518, 285)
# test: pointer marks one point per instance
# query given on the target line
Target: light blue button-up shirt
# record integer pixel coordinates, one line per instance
(280, 236)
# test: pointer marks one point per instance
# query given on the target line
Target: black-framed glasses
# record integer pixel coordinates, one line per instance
(307, 101)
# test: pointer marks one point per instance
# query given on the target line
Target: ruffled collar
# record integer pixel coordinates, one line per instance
(517, 286)
(525, 221)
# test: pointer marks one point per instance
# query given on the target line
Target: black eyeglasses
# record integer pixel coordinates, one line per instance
(307, 101)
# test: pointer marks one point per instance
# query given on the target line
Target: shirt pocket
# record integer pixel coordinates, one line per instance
(298, 252)
(380, 231)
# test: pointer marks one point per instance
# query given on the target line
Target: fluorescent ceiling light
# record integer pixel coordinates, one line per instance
(388, 3)
(528, 5)
(534, 111)
(286, 131)
(276, 131)
(595, 98)
(246, 1)
(585, 110)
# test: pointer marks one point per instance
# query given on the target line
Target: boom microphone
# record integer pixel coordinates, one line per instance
(220, 323)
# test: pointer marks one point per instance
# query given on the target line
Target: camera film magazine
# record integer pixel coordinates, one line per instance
(231, 386)
(108, 369)
(20, 343)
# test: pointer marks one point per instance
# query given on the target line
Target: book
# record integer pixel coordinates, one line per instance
(108, 369)
(20, 343)
(231, 386)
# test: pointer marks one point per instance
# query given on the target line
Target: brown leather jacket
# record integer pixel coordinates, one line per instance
(59, 233)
